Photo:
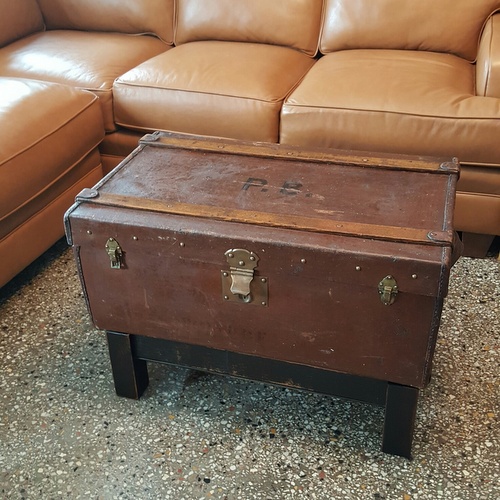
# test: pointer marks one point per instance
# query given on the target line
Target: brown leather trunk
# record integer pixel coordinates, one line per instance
(324, 229)
(322, 270)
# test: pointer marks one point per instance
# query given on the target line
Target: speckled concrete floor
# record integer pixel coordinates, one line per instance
(65, 434)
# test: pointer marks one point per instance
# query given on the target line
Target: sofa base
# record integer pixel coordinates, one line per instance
(479, 245)
(116, 146)
(30, 239)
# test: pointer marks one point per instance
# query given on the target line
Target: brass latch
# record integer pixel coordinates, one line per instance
(238, 284)
(388, 289)
(115, 254)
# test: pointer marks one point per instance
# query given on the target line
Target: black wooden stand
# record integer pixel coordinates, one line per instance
(129, 354)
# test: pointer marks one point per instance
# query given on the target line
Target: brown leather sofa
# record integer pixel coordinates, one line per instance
(394, 76)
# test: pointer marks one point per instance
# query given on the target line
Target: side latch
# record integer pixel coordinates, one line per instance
(388, 289)
(240, 284)
(115, 254)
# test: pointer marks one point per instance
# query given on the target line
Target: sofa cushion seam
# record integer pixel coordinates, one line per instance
(50, 184)
(168, 89)
(377, 111)
(50, 202)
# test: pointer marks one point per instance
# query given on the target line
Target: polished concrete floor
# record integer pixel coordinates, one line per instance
(65, 434)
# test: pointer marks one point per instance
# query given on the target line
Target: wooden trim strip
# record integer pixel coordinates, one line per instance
(324, 156)
(282, 221)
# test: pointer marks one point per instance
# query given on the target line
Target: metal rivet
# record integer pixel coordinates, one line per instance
(358, 268)
(89, 232)
(226, 297)
(230, 255)
(135, 238)
(225, 275)
(263, 280)
(182, 244)
(241, 263)
(303, 261)
(252, 257)
(264, 303)
(414, 276)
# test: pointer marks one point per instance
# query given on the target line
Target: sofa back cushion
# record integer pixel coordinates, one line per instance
(291, 23)
(436, 25)
(18, 18)
(121, 16)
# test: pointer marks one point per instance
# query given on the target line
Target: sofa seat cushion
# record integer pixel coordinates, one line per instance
(226, 89)
(47, 130)
(409, 102)
(87, 60)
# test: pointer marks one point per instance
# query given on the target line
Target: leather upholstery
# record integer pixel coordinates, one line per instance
(477, 213)
(39, 172)
(291, 23)
(121, 16)
(477, 207)
(116, 146)
(414, 102)
(211, 88)
(488, 60)
(90, 61)
(450, 26)
(19, 18)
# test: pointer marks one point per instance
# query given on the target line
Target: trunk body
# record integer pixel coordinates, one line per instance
(329, 260)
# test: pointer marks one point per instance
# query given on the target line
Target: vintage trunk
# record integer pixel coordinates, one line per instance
(321, 260)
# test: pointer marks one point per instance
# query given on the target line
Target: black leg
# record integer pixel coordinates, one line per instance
(130, 374)
(400, 412)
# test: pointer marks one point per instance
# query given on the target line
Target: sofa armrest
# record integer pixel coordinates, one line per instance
(488, 59)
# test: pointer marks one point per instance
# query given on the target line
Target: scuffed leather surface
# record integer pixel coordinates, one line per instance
(291, 23)
(435, 25)
(51, 129)
(87, 60)
(488, 60)
(18, 18)
(211, 88)
(122, 16)
(410, 102)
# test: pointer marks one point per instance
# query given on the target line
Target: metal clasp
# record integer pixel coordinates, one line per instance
(388, 289)
(115, 253)
(238, 284)
(242, 264)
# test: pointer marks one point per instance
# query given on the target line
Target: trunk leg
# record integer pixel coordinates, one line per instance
(400, 412)
(129, 373)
